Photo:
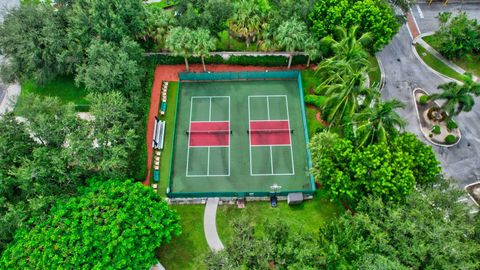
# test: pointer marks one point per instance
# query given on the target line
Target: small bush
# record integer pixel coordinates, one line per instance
(451, 139)
(314, 100)
(423, 100)
(436, 129)
(451, 125)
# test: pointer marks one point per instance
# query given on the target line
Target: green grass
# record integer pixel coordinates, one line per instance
(312, 122)
(187, 250)
(437, 64)
(308, 216)
(63, 88)
(470, 63)
(235, 44)
(163, 4)
(309, 81)
(166, 156)
(374, 74)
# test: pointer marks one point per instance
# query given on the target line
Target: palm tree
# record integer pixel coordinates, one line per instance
(180, 41)
(292, 34)
(203, 44)
(311, 48)
(246, 20)
(346, 96)
(158, 22)
(458, 98)
(379, 122)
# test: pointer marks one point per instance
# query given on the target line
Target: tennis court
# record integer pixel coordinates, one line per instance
(239, 137)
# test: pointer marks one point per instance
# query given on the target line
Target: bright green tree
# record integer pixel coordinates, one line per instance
(458, 36)
(31, 38)
(385, 170)
(204, 43)
(374, 16)
(159, 22)
(292, 35)
(180, 41)
(312, 49)
(378, 123)
(100, 228)
(458, 98)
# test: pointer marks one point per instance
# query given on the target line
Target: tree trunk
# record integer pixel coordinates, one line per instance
(203, 63)
(186, 64)
(229, 37)
(308, 61)
(290, 61)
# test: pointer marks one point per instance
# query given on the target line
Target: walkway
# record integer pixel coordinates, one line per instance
(170, 73)
(210, 225)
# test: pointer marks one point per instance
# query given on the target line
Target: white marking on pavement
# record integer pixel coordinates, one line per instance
(420, 13)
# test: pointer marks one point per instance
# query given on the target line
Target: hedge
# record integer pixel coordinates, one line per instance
(314, 100)
(242, 60)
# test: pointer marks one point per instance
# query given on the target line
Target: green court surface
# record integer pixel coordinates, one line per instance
(240, 138)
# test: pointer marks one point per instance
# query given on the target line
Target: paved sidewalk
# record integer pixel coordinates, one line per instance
(210, 225)
(12, 92)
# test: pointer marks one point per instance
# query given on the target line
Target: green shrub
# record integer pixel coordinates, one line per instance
(451, 139)
(242, 60)
(436, 129)
(423, 100)
(162, 59)
(451, 125)
(314, 100)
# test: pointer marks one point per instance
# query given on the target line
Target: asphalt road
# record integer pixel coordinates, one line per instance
(404, 72)
(426, 16)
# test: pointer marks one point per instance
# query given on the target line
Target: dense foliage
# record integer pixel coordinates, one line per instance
(385, 170)
(374, 16)
(430, 229)
(48, 154)
(110, 224)
(458, 35)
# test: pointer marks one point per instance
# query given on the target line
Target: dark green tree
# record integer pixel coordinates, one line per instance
(100, 228)
(110, 67)
(31, 38)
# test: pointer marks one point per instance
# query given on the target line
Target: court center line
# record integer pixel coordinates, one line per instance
(210, 111)
(189, 132)
(208, 161)
(271, 159)
(268, 109)
(229, 135)
(291, 142)
(250, 137)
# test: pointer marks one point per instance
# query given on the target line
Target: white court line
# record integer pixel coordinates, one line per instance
(212, 146)
(420, 13)
(189, 132)
(210, 110)
(255, 96)
(229, 135)
(209, 121)
(205, 97)
(268, 109)
(208, 162)
(271, 159)
(289, 135)
(250, 137)
(269, 120)
(267, 174)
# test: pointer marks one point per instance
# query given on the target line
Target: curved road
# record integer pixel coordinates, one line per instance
(403, 73)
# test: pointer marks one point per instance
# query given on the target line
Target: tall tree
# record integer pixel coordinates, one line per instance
(159, 22)
(458, 35)
(181, 42)
(292, 35)
(31, 38)
(101, 228)
(109, 67)
(203, 44)
(217, 13)
(458, 98)
(378, 123)
(246, 20)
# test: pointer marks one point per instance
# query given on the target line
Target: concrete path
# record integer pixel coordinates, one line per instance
(157, 266)
(210, 225)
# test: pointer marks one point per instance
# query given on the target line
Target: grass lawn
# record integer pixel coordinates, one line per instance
(187, 250)
(163, 3)
(437, 64)
(308, 216)
(470, 63)
(166, 155)
(63, 88)
(374, 74)
(309, 81)
(312, 122)
(235, 44)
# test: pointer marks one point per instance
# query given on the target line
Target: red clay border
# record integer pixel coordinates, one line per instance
(170, 73)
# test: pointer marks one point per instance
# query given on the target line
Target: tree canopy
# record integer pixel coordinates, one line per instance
(111, 224)
(374, 16)
(388, 170)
